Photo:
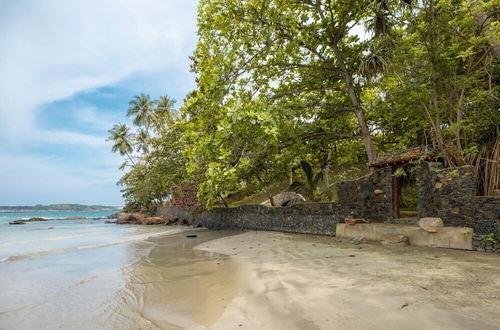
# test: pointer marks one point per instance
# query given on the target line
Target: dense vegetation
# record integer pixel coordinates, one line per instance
(60, 207)
(331, 83)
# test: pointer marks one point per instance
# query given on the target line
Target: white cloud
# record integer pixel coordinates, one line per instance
(51, 50)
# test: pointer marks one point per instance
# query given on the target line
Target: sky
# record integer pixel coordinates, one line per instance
(67, 72)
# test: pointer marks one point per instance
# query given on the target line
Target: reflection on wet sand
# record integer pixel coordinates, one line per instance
(178, 286)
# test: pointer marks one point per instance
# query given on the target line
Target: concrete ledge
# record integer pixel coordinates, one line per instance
(446, 237)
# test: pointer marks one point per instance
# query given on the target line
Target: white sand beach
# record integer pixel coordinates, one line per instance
(269, 280)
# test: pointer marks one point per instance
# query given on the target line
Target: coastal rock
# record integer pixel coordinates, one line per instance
(130, 218)
(109, 221)
(287, 198)
(35, 219)
(136, 218)
(154, 221)
(116, 215)
(430, 224)
(75, 218)
(141, 219)
(23, 221)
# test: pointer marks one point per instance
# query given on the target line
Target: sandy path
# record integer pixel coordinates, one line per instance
(312, 282)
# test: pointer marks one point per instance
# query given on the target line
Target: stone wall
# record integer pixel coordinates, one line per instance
(425, 178)
(486, 243)
(451, 194)
(454, 199)
(308, 218)
(369, 197)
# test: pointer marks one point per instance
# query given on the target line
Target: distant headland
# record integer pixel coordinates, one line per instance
(59, 208)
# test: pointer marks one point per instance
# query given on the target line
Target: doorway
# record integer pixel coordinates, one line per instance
(404, 195)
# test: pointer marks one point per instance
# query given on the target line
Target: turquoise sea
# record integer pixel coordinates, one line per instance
(58, 271)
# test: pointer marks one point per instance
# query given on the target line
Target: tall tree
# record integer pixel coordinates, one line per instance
(305, 51)
(164, 111)
(141, 107)
(122, 140)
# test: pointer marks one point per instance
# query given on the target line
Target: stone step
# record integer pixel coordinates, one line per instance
(404, 221)
(399, 240)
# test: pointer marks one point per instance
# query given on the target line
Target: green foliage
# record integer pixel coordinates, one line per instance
(490, 238)
(284, 81)
(312, 180)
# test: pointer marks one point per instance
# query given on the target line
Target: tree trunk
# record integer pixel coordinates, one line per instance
(130, 158)
(223, 201)
(270, 196)
(327, 169)
(358, 110)
(493, 39)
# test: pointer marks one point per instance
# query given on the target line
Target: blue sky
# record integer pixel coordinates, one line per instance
(67, 72)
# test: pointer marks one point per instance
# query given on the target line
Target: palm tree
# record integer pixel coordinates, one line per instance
(142, 108)
(142, 140)
(312, 180)
(122, 138)
(164, 110)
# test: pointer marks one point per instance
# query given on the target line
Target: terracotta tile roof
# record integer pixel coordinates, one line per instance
(402, 156)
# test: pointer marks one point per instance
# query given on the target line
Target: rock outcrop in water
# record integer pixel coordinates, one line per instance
(17, 222)
(23, 221)
(140, 219)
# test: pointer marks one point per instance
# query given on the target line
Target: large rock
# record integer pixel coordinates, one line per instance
(430, 224)
(35, 219)
(153, 221)
(17, 222)
(167, 220)
(116, 215)
(287, 198)
(130, 218)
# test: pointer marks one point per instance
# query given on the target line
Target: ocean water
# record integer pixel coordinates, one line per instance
(68, 274)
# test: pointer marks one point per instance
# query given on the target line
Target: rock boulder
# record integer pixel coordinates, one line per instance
(35, 219)
(287, 198)
(154, 221)
(430, 224)
(130, 218)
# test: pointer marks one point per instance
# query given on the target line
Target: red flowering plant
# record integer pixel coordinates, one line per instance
(185, 196)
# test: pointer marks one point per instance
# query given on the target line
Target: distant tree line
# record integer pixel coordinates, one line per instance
(60, 207)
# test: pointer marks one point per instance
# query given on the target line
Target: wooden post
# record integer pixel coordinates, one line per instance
(395, 193)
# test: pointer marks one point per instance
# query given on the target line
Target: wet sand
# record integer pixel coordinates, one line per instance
(179, 287)
(267, 280)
